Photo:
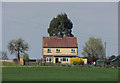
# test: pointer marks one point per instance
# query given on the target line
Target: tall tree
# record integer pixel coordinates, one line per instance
(60, 26)
(17, 47)
(94, 49)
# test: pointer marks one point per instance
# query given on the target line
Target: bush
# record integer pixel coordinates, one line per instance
(26, 57)
(15, 60)
(77, 61)
(4, 63)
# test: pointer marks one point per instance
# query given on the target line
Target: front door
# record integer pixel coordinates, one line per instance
(56, 60)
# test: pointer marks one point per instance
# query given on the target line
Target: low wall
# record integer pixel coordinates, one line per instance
(6, 60)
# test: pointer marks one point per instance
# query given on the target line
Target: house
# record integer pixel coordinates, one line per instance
(55, 49)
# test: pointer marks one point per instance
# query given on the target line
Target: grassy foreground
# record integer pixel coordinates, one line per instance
(59, 74)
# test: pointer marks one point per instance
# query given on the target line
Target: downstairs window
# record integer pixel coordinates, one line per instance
(48, 59)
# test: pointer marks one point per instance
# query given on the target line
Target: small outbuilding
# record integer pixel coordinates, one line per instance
(85, 60)
(30, 62)
(115, 62)
(100, 63)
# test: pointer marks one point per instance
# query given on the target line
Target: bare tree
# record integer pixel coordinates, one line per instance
(4, 55)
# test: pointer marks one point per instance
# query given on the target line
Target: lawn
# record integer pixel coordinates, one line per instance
(59, 74)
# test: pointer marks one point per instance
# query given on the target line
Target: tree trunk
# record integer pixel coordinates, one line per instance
(18, 56)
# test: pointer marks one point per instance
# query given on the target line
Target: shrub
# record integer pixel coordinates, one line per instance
(5, 63)
(26, 57)
(76, 60)
(15, 60)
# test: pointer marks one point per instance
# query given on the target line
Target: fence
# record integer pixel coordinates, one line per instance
(54, 64)
(64, 65)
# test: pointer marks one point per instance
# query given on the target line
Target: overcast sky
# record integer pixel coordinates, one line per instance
(30, 21)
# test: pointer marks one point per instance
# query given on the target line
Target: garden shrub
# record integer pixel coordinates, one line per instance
(77, 61)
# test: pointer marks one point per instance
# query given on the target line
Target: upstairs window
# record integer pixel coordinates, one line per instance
(49, 50)
(73, 50)
(58, 50)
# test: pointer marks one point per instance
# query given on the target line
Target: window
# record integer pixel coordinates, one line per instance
(67, 59)
(64, 59)
(61, 59)
(58, 50)
(73, 50)
(48, 59)
(49, 50)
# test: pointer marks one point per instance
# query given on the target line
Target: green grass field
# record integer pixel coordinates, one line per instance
(59, 74)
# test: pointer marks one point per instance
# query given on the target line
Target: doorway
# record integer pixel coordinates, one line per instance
(56, 60)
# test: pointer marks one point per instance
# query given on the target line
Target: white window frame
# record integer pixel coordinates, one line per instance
(67, 60)
(58, 51)
(73, 50)
(48, 58)
(49, 51)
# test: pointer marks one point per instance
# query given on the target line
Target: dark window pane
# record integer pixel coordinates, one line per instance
(64, 59)
(72, 50)
(57, 50)
(61, 59)
(67, 59)
(49, 50)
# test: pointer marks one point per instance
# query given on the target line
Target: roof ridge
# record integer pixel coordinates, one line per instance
(58, 37)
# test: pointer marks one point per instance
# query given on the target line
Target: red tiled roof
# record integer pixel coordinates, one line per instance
(59, 42)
